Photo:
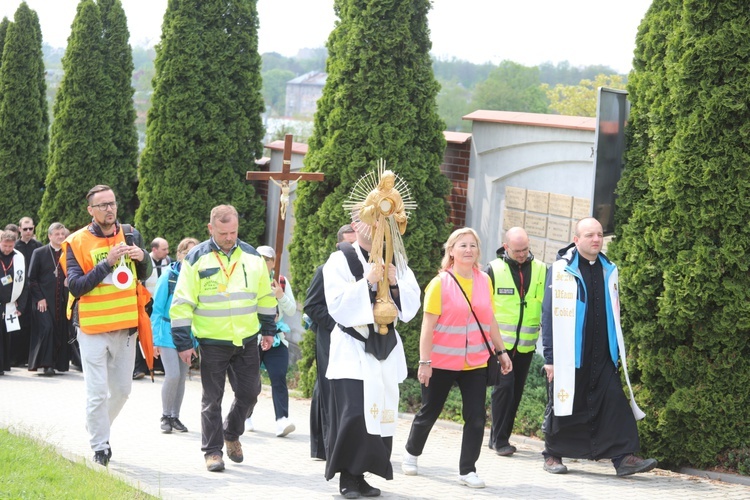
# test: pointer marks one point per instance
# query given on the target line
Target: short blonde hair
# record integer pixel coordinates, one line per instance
(223, 213)
(447, 262)
(184, 247)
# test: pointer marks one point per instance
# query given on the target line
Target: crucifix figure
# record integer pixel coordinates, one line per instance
(284, 180)
(285, 187)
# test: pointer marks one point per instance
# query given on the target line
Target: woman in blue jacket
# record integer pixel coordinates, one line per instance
(175, 371)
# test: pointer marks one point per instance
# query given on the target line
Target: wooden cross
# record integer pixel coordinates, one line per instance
(284, 179)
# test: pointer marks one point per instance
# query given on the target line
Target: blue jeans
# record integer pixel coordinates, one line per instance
(242, 366)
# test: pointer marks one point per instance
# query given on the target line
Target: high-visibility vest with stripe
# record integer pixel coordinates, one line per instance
(508, 307)
(220, 297)
(105, 308)
(457, 342)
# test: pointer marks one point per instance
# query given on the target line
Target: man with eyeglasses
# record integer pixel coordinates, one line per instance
(102, 264)
(19, 340)
(518, 291)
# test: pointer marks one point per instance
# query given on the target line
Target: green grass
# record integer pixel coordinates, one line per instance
(33, 469)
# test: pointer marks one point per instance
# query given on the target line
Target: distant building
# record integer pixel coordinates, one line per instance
(302, 94)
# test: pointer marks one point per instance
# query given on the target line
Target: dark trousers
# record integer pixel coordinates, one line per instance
(506, 396)
(19, 339)
(473, 387)
(276, 361)
(242, 366)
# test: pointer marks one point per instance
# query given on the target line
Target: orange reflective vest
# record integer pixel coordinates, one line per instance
(105, 308)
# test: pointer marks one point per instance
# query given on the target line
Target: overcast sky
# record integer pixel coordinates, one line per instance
(529, 32)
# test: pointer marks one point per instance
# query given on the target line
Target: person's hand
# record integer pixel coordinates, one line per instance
(187, 356)
(266, 342)
(550, 369)
(277, 290)
(392, 275)
(424, 374)
(136, 253)
(115, 253)
(506, 365)
(157, 351)
(375, 274)
(41, 306)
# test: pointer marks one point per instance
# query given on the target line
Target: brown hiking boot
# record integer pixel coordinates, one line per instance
(554, 465)
(632, 464)
(234, 451)
(214, 463)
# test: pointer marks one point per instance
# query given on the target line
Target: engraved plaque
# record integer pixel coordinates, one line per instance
(537, 201)
(536, 225)
(573, 229)
(515, 198)
(513, 218)
(537, 246)
(558, 229)
(560, 204)
(581, 208)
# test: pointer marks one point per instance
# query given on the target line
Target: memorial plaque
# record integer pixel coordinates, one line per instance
(513, 218)
(536, 225)
(560, 204)
(581, 208)
(537, 247)
(515, 198)
(558, 229)
(550, 254)
(573, 229)
(537, 201)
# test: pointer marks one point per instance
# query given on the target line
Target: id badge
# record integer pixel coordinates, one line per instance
(6, 280)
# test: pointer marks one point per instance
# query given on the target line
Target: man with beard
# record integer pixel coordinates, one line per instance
(49, 297)
(19, 340)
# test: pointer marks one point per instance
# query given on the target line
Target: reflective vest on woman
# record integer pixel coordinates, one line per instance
(457, 341)
(105, 308)
(508, 308)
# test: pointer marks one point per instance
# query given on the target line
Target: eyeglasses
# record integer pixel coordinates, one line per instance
(27, 228)
(106, 206)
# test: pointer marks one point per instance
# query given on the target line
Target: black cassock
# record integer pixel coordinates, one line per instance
(49, 329)
(322, 325)
(602, 424)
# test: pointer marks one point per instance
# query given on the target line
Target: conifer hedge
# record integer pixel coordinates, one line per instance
(379, 101)
(23, 117)
(683, 235)
(204, 128)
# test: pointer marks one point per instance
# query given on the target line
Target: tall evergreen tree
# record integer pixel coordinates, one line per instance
(80, 132)
(684, 236)
(23, 117)
(121, 155)
(379, 101)
(3, 30)
(204, 128)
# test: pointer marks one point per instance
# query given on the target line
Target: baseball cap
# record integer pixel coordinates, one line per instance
(267, 252)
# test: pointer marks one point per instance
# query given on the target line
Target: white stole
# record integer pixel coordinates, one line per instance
(19, 277)
(564, 292)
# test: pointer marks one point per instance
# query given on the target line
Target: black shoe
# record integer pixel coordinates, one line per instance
(138, 375)
(166, 423)
(101, 457)
(348, 485)
(177, 425)
(506, 451)
(632, 464)
(109, 451)
(49, 372)
(365, 489)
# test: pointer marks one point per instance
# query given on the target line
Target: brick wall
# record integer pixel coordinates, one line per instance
(455, 166)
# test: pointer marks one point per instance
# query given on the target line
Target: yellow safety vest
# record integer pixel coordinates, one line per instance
(508, 305)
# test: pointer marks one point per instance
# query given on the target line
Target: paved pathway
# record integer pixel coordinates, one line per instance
(172, 466)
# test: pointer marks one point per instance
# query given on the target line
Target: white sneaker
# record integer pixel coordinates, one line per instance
(284, 426)
(249, 425)
(471, 480)
(409, 464)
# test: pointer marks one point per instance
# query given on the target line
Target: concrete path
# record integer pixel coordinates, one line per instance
(171, 465)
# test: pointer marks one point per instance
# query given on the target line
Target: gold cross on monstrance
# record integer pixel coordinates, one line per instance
(284, 180)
